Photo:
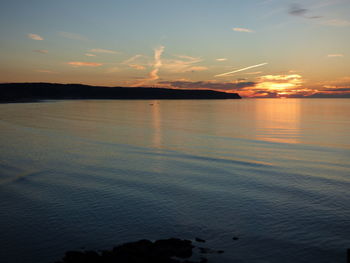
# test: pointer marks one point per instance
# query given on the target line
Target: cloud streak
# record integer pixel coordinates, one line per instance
(335, 55)
(239, 70)
(241, 29)
(35, 37)
(84, 64)
(101, 50)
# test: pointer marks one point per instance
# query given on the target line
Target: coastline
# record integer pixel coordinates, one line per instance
(34, 92)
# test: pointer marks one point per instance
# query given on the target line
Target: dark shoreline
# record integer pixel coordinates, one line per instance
(172, 250)
(36, 92)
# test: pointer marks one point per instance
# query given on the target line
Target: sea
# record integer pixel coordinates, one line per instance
(264, 180)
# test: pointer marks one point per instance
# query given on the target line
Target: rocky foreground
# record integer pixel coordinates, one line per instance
(171, 250)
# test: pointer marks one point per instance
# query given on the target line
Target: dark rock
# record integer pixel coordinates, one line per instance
(174, 247)
(235, 238)
(142, 251)
(81, 257)
(206, 250)
(200, 240)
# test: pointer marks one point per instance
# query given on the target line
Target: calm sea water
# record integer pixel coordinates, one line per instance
(93, 174)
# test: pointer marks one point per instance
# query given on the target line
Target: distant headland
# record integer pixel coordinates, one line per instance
(25, 92)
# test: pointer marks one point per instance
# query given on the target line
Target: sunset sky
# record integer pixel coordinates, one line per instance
(258, 48)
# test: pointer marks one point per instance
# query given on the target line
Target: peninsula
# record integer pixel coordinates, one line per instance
(22, 92)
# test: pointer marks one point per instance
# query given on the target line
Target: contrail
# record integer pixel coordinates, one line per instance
(238, 70)
(153, 75)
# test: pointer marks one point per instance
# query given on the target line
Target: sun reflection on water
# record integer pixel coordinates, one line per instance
(278, 120)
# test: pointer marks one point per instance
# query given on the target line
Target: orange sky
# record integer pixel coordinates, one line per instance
(258, 48)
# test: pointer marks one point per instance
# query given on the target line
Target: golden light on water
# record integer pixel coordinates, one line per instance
(278, 120)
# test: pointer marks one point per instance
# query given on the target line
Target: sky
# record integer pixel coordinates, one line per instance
(258, 48)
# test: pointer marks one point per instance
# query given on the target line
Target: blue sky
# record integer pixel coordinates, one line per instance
(304, 44)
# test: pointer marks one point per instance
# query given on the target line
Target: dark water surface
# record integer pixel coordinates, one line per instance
(93, 174)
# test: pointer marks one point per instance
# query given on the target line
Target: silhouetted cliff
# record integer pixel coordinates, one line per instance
(17, 92)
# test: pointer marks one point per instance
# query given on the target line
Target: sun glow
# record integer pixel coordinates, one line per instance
(278, 85)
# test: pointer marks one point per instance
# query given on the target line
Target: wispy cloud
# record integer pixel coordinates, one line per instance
(335, 55)
(35, 37)
(157, 63)
(337, 22)
(132, 59)
(297, 10)
(41, 51)
(221, 59)
(72, 36)
(90, 55)
(153, 75)
(84, 64)
(134, 62)
(241, 29)
(253, 73)
(100, 50)
(137, 66)
(239, 70)
(183, 64)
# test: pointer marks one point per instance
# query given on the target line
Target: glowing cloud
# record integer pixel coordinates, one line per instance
(35, 37)
(241, 29)
(239, 70)
(136, 66)
(221, 59)
(100, 50)
(253, 73)
(153, 75)
(90, 55)
(84, 64)
(278, 85)
(335, 55)
(157, 63)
